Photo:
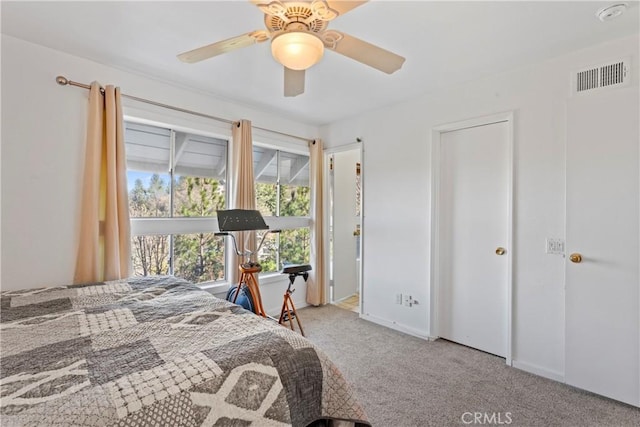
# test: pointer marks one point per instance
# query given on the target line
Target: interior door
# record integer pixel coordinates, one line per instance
(602, 298)
(345, 224)
(473, 236)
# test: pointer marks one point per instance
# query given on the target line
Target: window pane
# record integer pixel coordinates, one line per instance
(150, 255)
(266, 198)
(148, 194)
(265, 173)
(294, 184)
(295, 246)
(197, 197)
(294, 201)
(148, 181)
(268, 256)
(199, 173)
(294, 169)
(147, 148)
(199, 257)
(265, 168)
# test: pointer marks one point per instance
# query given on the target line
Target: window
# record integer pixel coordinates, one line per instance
(176, 182)
(283, 193)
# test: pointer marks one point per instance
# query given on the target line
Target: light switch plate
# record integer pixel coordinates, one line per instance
(554, 246)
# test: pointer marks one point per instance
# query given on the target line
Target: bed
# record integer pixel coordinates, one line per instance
(159, 351)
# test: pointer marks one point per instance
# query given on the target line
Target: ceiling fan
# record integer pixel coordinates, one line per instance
(299, 35)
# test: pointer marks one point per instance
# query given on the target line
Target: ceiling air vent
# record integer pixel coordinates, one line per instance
(614, 74)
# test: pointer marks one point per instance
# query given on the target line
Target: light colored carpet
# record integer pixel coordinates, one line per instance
(405, 381)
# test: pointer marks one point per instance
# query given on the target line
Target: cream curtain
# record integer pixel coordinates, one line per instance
(243, 195)
(316, 284)
(104, 250)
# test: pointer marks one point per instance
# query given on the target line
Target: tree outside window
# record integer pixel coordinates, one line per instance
(282, 190)
(173, 175)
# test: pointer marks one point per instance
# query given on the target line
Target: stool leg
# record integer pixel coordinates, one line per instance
(284, 307)
(297, 318)
(287, 299)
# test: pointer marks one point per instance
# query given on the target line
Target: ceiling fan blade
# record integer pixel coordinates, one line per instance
(366, 53)
(343, 7)
(271, 7)
(293, 82)
(223, 46)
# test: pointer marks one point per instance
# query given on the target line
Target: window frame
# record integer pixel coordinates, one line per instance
(285, 222)
(148, 226)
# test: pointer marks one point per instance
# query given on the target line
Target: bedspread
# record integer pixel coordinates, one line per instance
(158, 351)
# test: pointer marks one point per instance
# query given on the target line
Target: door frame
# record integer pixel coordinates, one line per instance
(436, 134)
(358, 145)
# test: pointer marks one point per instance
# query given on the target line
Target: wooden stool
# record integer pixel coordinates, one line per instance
(287, 304)
(247, 276)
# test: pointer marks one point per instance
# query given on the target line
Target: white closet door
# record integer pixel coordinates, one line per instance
(602, 297)
(474, 215)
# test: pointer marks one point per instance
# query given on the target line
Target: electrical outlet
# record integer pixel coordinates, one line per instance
(408, 300)
(399, 299)
(554, 246)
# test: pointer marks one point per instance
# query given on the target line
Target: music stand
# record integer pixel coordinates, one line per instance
(233, 220)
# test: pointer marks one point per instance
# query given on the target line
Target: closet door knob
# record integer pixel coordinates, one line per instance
(500, 251)
(577, 258)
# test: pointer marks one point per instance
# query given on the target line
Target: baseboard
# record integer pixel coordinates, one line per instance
(396, 326)
(537, 370)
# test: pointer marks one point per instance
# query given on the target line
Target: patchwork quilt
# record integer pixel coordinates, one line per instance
(158, 351)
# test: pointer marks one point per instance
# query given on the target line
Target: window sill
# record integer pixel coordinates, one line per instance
(271, 277)
(214, 287)
(222, 287)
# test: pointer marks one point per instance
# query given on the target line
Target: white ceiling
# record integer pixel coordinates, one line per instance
(445, 43)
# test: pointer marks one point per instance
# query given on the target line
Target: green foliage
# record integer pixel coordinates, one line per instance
(152, 201)
(200, 257)
(197, 257)
(294, 245)
(294, 201)
(198, 197)
(266, 198)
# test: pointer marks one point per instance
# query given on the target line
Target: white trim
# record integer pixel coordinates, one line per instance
(537, 370)
(189, 225)
(436, 134)
(279, 142)
(362, 233)
(169, 119)
(214, 287)
(287, 222)
(396, 326)
(327, 209)
(156, 226)
(341, 148)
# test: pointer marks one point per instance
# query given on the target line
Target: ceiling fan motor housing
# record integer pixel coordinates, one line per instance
(298, 13)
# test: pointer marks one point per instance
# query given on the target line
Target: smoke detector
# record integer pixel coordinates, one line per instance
(611, 12)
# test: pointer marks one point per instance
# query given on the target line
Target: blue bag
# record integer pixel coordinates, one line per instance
(244, 297)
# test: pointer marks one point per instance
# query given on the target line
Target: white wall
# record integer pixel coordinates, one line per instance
(397, 147)
(43, 132)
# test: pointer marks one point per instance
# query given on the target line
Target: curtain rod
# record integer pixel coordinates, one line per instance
(63, 81)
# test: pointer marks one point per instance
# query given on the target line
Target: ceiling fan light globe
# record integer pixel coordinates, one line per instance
(297, 50)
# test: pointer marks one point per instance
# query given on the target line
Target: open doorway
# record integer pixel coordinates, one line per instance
(345, 226)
